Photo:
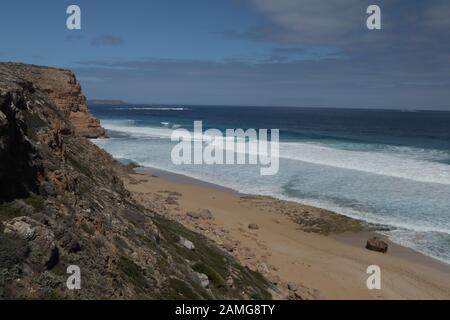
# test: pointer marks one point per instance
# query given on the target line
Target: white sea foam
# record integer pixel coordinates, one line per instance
(381, 163)
(399, 162)
(138, 132)
(170, 125)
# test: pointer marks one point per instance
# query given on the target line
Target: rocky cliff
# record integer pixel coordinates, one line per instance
(63, 89)
(62, 203)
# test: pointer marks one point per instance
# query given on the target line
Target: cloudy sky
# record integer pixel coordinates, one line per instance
(309, 53)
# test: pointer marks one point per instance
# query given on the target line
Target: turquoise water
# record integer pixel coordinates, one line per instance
(388, 167)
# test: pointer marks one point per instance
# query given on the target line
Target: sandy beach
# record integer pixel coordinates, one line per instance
(304, 251)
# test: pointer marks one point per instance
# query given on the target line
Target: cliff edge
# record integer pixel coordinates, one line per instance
(64, 90)
(63, 204)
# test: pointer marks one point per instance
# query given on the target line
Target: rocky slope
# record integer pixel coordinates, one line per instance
(62, 203)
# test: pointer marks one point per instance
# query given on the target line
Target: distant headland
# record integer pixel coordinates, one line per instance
(106, 102)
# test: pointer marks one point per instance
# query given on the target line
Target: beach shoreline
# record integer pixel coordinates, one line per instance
(354, 238)
(292, 251)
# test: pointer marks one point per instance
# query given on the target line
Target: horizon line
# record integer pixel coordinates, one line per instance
(265, 106)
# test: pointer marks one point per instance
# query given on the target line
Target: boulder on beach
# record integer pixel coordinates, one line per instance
(253, 226)
(376, 244)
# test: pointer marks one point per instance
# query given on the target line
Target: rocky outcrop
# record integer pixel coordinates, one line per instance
(62, 203)
(43, 252)
(63, 89)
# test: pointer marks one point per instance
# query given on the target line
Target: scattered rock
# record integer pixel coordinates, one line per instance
(47, 188)
(376, 244)
(229, 246)
(253, 226)
(262, 268)
(20, 228)
(186, 243)
(192, 214)
(204, 280)
(274, 279)
(298, 295)
(202, 214)
(3, 120)
(206, 214)
(172, 201)
(230, 282)
(292, 286)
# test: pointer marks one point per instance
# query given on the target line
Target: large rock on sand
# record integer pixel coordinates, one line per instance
(376, 244)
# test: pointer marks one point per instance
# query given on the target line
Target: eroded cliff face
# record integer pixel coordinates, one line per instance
(62, 203)
(64, 90)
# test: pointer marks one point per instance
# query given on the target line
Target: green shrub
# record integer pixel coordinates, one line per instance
(9, 210)
(36, 201)
(54, 295)
(134, 273)
(180, 290)
(215, 278)
(12, 251)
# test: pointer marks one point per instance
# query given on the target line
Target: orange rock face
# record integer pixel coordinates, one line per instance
(65, 91)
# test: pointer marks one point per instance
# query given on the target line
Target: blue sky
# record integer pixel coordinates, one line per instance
(310, 53)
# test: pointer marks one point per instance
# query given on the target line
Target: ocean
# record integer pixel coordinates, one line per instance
(380, 166)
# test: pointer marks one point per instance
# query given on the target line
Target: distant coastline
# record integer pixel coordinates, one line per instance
(106, 102)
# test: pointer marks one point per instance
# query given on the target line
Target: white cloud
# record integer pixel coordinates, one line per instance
(306, 20)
